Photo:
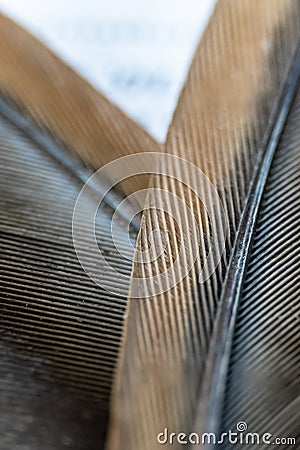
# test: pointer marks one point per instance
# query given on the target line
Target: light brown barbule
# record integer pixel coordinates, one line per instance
(219, 124)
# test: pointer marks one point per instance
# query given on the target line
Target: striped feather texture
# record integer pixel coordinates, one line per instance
(62, 104)
(211, 396)
(263, 381)
(219, 125)
(59, 331)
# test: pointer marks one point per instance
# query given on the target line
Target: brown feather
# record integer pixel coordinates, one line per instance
(63, 104)
(219, 125)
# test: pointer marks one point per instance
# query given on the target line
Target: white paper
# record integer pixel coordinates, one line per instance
(136, 52)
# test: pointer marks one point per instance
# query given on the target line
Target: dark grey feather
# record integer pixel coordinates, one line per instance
(59, 331)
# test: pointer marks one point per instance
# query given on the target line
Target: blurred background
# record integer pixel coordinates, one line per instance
(136, 52)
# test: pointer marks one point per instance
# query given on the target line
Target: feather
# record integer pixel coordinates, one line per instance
(219, 125)
(263, 378)
(54, 129)
(213, 386)
(59, 331)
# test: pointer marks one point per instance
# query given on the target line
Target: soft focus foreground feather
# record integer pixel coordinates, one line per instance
(59, 331)
(62, 104)
(219, 125)
(211, 396)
